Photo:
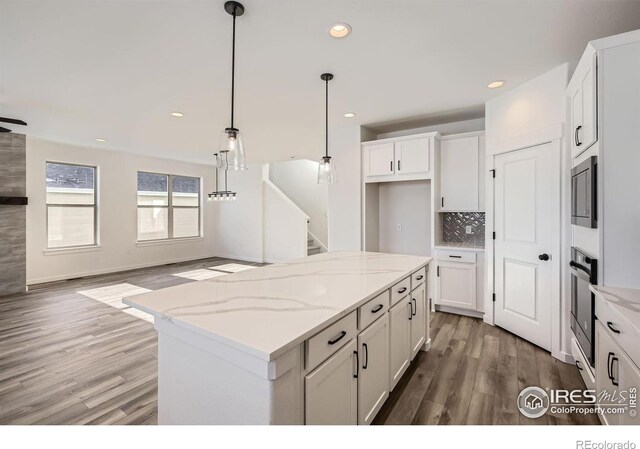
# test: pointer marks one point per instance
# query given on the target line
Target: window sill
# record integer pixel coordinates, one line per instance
(79, 249)
(168, 241)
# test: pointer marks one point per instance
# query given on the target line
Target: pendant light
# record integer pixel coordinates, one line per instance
(231, 140)
(222, 195)
(326, 169)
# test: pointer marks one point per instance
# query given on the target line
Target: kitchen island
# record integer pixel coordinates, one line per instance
(322, 339)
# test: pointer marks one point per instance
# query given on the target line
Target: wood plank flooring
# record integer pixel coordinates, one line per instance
(66, 358)
(473, 375)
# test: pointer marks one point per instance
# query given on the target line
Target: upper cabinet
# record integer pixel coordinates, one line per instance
(398, 159)
(461, 162)
(582, 94)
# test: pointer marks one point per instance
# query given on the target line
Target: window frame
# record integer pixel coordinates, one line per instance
(170, 207)
(94, 205)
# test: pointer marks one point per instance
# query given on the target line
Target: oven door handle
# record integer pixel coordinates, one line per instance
(578, 266)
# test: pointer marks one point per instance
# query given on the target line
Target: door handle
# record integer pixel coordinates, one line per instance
(612, 358)
(391, 166)
(544, 257)
(365, 348)
(410, 311)
(611, 328)
(578, 365)
(377, 309)
(399, 169)
(578, 143)
(357, 365)
(338, 338)
(414, 307)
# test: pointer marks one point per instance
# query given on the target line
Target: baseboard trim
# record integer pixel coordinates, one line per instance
(471, 313)
(426, 346)
(239, 257)
(83, 274)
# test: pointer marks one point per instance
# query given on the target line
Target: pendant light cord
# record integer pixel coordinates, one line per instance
(326, 119)
(233, 65)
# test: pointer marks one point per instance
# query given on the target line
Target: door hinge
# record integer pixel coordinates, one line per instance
(494, 235)
(493, 172)
(494, 297)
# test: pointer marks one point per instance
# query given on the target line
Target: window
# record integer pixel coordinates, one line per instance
(168, 206)
(71, 205)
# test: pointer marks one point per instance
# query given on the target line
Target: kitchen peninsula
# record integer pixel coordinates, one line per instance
(317, 340)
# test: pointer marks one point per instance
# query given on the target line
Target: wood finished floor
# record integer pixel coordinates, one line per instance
(68, 359)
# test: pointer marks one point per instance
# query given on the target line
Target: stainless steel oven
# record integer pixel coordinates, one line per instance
(584, 271)
(583, 193)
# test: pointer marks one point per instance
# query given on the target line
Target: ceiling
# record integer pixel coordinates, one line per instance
(79, 70)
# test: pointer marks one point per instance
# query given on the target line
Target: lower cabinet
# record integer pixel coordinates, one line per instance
(418, 319)
(617, 378)
(373, 376)
(400, 317)
(456, 285)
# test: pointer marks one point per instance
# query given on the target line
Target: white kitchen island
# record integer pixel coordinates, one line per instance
(318, 340)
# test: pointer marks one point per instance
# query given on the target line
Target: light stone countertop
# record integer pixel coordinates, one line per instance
(624, 301)
(268, 310)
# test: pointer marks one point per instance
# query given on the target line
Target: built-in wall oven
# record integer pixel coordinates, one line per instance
(583, 193)
(584, 271)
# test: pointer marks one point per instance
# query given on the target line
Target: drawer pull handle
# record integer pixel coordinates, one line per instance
(377, 309)
(455, 257)
(338, 338)
(414, 307)
(609, 365)
(612, 358)
(611, 328)
(578, 365)
(419, 278)
(366, 355)
(357, 365)
(402, 290)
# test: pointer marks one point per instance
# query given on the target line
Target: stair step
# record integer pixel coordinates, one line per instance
(313, 247)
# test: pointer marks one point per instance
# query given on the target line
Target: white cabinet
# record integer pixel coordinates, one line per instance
(583, 104)
(412, 156)
(418, 319)
(459, 173)
(332, 389)
(617, 377)
(373, 380)
(400, 317)
(398, 159)
(380, 160)
(456, 284)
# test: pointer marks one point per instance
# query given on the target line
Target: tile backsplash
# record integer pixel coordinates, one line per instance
(454, 228)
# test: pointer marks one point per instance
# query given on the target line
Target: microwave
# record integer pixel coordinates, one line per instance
(584, 193)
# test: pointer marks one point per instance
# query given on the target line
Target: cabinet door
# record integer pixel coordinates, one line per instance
(576, 121)
(400, 317)
(373, 380)
(412, 156)
(606, 351)
(418, 319)
(331, 390)
(459, 187)
(629, 383)
(584, 116)
(456, 285)
(380, 159)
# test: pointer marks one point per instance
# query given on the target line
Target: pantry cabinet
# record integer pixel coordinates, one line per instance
(398, 159)
(373, 380)
(460, 173)
(583, 104)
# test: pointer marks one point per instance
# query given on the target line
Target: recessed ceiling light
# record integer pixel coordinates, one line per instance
(495, 84)
(177, 114)
(340, 30)
(100, 139)
(350, 114)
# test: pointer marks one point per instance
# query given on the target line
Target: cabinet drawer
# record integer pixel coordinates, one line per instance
(322, 345)
(418, 277)
(373, 310)
(626, 337)
(456, 256)
(583, 365)
(400, 290)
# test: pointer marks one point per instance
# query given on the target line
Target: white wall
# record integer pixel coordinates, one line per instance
(463, 126)
(407, 205)
(238, 226)
(285, 226)
(298, 180)
(117, 209)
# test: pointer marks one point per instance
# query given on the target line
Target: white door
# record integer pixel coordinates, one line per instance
(418, 319)
(380, 159)
(412, 156)
(526, 218)
(456, 285)
(373, 380)
(459, 187)
(331, 390)
(399, 339)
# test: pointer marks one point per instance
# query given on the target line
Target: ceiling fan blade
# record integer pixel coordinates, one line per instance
(13, 121)
(4, 130)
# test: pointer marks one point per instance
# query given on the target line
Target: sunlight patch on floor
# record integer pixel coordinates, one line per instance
(112, 295)
(233, 267)
(199, 275)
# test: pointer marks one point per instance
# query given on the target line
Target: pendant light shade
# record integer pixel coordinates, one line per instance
(326, 168)
(231, 139)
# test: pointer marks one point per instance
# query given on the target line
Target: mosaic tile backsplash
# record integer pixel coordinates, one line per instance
(454, 227)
